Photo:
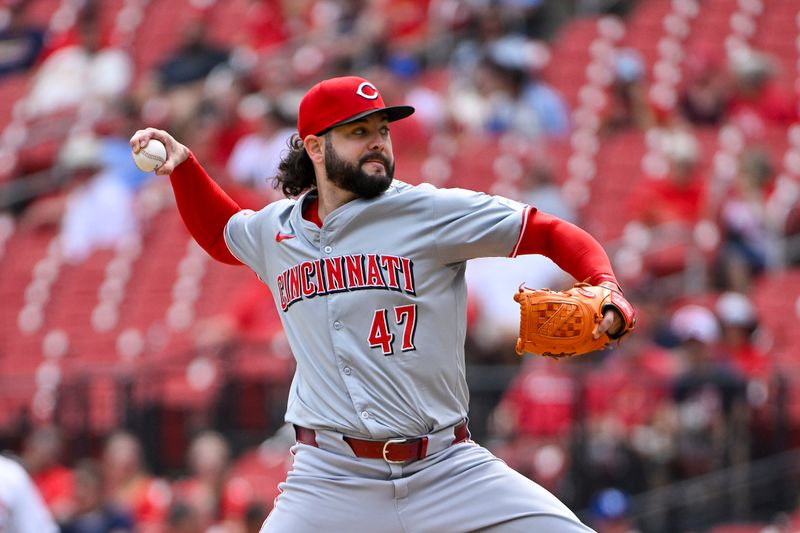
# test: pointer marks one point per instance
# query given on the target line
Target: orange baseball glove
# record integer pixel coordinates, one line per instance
(562, 323)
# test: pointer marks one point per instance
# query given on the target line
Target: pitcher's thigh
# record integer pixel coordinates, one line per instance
(543, 523)
(324, 493)
(474, 491)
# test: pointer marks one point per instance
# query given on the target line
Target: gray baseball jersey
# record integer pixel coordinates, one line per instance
(374, 302)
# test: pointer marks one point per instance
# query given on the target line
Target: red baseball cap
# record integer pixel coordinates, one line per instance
(338, 101)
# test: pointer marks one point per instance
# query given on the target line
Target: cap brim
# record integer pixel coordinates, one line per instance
(395, 112)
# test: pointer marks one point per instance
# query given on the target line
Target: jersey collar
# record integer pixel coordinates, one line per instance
(311, 210)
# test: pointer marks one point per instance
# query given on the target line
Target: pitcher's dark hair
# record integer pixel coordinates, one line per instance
(295, 172)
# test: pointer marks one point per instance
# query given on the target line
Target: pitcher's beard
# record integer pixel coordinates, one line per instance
(353, 178)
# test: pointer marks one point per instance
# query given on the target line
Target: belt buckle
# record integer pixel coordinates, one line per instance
(384, 452)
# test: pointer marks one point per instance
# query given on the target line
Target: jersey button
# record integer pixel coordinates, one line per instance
(328, 249)
(364, 414)
(347, 371)
(337, 325)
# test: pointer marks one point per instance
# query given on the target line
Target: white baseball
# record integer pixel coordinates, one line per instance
(151, 156)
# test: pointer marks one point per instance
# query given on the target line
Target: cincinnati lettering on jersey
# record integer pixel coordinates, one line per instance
(345, 273)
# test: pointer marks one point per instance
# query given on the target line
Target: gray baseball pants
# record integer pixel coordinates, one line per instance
(461, 488)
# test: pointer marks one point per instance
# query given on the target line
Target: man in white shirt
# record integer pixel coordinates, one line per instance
(22, 509)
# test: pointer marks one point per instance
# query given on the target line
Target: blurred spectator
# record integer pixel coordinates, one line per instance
(619, 404)
(255, 158)
(407, 82)
(213, 128)
(634, 386)
(532, 423)
(510, 96)
(86, 71)
(606, 458)
(22, 509)
(228, 110)
(129, 487)
(629, 386)
(484, 25)
(41, 457)
(175, 88)
(656, 445)
(742, 338)
(709, 395)
(264, 27)
(183, 518)
(748, 244)
(540, 190)
(96, 210)
(539, 403)
(758, 99)
(667, 208)
(250, 316)
(739, 322)
(193, 60)
(356, 35)
(677, 197)
(705, 93)
(21, 42)
(627, 105)
(93, 514)
(207, 489)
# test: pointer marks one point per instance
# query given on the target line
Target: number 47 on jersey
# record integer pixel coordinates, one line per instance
(403, 320)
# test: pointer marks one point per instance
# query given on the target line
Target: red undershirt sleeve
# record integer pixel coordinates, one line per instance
(204, 207)
(571, 248)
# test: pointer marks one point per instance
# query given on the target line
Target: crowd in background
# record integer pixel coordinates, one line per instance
(694, 391)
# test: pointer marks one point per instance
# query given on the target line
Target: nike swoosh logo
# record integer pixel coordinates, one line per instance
(280, 237)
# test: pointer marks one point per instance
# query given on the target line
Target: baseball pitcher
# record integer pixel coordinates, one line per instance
(367, 273)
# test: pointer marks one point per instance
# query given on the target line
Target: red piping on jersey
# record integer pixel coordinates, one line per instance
(571, 248)
(311, 212)
(204, 207)
(525, 217)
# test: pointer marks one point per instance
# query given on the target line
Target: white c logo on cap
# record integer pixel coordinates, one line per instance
(360, 91)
